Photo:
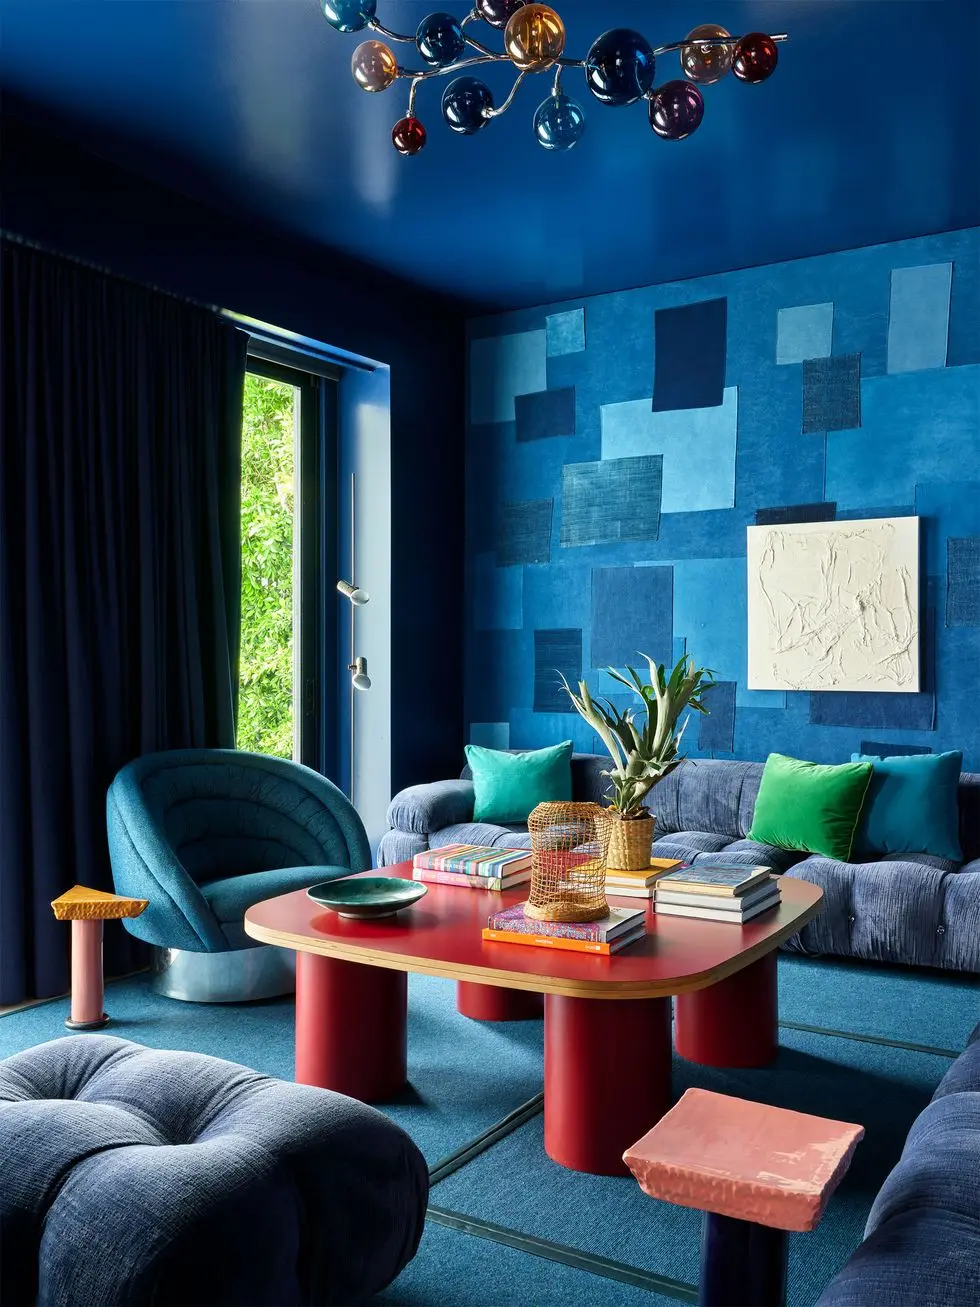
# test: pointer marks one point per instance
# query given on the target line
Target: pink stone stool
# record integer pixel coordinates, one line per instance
(86, 909)
(755, 1172)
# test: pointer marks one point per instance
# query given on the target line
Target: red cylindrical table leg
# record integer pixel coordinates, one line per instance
(351, 1027)
(494, 1003)
(87, 986)
(734, 1023)
(606, 1078)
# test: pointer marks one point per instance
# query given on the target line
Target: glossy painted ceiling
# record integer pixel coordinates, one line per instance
(867, 132)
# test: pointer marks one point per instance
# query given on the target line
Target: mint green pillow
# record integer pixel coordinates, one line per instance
(506, 786)
(810, 806)
(912, 807)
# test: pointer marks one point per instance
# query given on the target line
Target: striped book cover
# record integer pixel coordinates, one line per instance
(473, 860)
(490, 883)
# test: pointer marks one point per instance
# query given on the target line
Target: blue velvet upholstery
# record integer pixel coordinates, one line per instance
(914, 909)
(184, 821)
(132, 1175)
(922, 1240)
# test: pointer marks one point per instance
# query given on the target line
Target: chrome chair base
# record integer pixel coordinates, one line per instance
(236, 976)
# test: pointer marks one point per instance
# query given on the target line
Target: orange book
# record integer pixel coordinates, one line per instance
(562, 942)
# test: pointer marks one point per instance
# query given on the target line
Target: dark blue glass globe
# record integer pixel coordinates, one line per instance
(349, 15)
(620, 66)
(559, 123)
(440, 39)
(464, 104)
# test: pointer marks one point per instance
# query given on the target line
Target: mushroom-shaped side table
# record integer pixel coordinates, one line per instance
(86, 909)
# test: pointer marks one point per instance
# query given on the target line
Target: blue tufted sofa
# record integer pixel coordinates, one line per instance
(132, 1175)
(922, 1240)
(919, 910)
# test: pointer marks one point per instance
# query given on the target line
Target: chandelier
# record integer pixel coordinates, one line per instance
(619, 68)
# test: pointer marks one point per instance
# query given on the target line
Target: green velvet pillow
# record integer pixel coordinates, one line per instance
(809, 806)
(506, 786)
(912, 807)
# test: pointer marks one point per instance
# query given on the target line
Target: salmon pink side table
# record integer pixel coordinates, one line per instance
(87, 909)
(756, 1172)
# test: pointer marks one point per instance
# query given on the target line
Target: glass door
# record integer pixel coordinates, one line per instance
(285, 537)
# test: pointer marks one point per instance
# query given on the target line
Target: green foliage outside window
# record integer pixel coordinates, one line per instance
(265, 698)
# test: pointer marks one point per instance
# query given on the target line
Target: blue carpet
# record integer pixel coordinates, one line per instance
(466, 1076)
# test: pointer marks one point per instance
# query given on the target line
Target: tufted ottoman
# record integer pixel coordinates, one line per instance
(131, 1175)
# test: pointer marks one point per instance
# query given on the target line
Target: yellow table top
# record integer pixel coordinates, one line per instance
(81, 904)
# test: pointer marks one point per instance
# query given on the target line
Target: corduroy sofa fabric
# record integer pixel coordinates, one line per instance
(914, 909)
(922, 1240)
(135, 1176)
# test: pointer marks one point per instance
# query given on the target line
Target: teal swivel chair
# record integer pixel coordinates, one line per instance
(205, 833)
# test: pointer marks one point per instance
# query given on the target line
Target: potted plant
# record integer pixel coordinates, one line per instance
(643, 743)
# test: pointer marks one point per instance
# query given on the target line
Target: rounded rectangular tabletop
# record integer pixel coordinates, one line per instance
(441, 936)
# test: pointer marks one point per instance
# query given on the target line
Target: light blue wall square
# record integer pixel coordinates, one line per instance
(490, 735)
(918, 317)
(710, 608)
(502, 367)
(805, 331)
(698, 447)
(566, 332)
(498, 595)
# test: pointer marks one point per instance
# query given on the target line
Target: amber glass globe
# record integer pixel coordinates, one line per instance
(374, 66)
(534, 38)
(706, 63)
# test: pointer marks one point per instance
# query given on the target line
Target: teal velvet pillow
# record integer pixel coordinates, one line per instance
(506, 786)
(810, 806)
(912, 806)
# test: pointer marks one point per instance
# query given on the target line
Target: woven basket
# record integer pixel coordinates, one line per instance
(568, 862)
(629, 843)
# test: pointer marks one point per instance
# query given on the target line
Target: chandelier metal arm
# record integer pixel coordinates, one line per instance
(502, 108)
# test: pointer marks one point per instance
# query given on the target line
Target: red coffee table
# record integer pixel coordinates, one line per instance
(607, 1019)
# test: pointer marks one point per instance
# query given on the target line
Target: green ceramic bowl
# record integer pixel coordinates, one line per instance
(367, 896)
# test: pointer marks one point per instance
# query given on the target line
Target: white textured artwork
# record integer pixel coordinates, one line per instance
(834, 605)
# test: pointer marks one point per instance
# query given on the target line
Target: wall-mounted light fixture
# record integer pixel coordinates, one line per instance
(353, 593)
(359, 674)
(358, 668)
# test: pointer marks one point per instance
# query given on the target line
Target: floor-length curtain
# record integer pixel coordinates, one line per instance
(120, 454)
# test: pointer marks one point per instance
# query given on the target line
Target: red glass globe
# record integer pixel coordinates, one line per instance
(755, 58)
(408, 136)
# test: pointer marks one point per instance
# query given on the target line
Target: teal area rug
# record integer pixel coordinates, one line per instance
(510, 1226)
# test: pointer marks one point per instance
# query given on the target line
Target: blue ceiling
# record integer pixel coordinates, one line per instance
(867, 132)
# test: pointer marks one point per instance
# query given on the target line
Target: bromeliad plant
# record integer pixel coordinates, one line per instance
(643, 742)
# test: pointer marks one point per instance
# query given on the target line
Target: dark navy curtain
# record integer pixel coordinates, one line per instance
(120, 458)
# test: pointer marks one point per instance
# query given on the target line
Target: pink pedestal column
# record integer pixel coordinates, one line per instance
(87, 988)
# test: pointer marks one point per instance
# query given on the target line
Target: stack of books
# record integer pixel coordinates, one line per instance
(735, 894)
(474, 866)
(639, 884)
(622, 927)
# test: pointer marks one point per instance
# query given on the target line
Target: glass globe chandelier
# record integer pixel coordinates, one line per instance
(619, 68)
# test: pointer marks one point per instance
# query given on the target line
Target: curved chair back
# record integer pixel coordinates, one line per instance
(186, 816)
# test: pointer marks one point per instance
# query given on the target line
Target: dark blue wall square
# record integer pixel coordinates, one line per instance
(613, 500)
(632, 614)
(556, 652)
(832, 393)
(887, 749)
(525, 532)
(963, 581)
(796, 513)
(716, 732)
(691, 351)
(546, 413)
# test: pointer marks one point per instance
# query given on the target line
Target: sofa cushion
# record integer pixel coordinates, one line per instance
(400, 846)
(707, 794)
(810, 806)
(964, 1075)
(424, 808)
(911, 806)
(508, 786)
(514, 836)
(880, 911)
(134, 1175)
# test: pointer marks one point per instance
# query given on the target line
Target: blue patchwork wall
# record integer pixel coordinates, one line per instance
(618, 448)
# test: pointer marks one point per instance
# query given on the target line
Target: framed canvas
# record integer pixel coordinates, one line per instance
(834, 605)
